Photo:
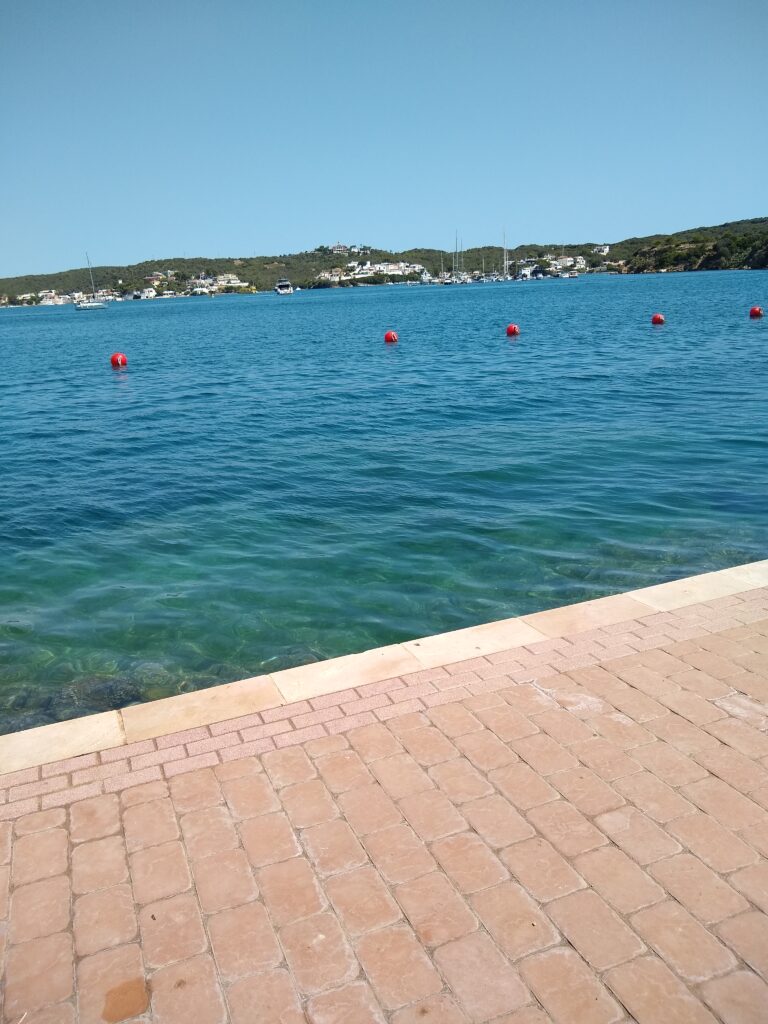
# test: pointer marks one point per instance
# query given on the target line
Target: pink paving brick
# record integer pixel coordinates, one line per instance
(350, 722)
(236, 724)
(290, 739)
(260, 732)
(246, 750)
(189, 764)
(130, 779)
(174, 739)
(407, 707)
(127, 750)
(212, 743)
(71, 764)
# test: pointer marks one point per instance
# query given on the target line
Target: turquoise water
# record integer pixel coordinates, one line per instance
(269, 484)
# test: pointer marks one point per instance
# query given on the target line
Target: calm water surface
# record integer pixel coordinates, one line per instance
(269, 484)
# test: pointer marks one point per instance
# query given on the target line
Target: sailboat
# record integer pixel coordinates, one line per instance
(93, 302)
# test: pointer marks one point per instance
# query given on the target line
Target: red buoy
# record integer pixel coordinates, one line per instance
(118, 360)
(512, 330)
(390, 337)
(756, 312)
(658, 319)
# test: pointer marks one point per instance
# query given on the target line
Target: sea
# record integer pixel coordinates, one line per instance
(269, 484)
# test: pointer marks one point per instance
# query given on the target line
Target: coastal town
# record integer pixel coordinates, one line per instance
(170, 283)
(736, 245)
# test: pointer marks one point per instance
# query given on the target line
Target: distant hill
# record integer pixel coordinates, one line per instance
(741, 244)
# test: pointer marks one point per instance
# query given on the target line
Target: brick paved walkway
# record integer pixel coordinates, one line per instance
(574, 831)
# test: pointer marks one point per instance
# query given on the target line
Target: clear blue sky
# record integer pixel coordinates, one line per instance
(190, 127)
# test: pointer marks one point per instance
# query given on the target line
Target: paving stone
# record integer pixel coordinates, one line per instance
(99, 864)
(485, 750)
(111, 986)
(265, 999)
(343, 771)
(361, 900)
(514, 920)
(428, 746)
(747, 935)
(543, 872)
(224, 880)
(434, 908)
(38, 972)
(398, 854)
(171, 930)
(506, 723)
(618, 879)
(605, 758)
(652, 993)
(684, 944)
(186, 992)
(568, 989)
(620, 730)
(369, 809)
(496, 821)
(637, 835)
(94, 818)
(753, 882)
(397, 967)
(150, 824)
(740, 998)
(440, 1009)
(691, 882)
(568, 830)
(103, 919)
(318, 954)
(333, 847)
(469, 862)
(564, 727)
(243, 941)
(586, 791)
(196, 790)
(454, 720)
(594, 930)
(208, 831)
(308, 803)
(40, 855)
(290, 890)
(543, 754)
(401, 776)
(40, 908)
(268, 839)
(159, 871)
(250, 795)
(373, 742)
(669, 764)
(460, 781)
(288, 767)
(61, 1013)
(140, 794)
(654, 797)
(354, 1003)
(716, 846)
(484, 983)
(522, 786)
(432, 815)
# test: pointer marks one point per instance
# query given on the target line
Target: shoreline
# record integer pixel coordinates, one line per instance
(213, 716)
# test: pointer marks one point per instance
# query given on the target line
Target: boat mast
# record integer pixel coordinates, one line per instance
(90, 271)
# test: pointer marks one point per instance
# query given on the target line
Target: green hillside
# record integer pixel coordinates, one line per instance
(735, 245)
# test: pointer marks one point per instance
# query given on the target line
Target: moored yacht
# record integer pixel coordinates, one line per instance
(93, 302)
(284, 287)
